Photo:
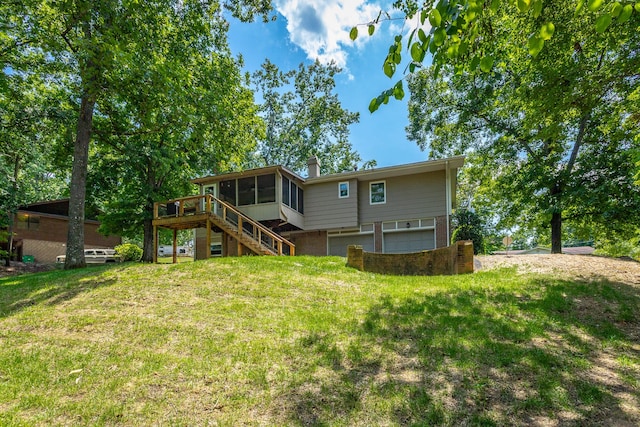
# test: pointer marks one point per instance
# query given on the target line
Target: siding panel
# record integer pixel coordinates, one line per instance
(325, 210)
(412, 196)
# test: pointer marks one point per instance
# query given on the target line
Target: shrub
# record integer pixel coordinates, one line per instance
(620, 248)
(129, 252)
(468, 226)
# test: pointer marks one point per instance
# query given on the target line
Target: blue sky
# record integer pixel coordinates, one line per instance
(310, 29)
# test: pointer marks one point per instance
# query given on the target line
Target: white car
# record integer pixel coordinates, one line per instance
(95, 256)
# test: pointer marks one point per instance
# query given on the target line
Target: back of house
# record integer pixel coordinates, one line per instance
(396, 209)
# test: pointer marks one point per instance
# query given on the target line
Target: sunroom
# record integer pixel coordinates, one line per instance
(272, 195)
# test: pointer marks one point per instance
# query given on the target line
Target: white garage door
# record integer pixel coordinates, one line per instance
(408, 241)
(338, 244)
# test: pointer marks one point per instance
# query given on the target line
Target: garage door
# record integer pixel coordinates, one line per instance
(408, 241)
(338, 244)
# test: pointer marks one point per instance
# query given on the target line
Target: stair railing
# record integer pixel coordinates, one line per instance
(248, 227)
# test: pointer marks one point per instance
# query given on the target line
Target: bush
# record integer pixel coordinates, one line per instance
(129, 252)
(468, 226)
(619, 248)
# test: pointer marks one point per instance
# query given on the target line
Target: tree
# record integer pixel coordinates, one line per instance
(34, 115)
(93, 41)
(459, 33)
(554, 130)
(306, 121)
(467, 225)
(155, 139)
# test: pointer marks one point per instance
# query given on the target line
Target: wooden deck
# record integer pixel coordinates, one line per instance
(206, 211)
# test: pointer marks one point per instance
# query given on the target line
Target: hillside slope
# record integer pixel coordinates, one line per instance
(308, 341)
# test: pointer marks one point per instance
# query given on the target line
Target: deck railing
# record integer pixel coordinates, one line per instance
(244, 225)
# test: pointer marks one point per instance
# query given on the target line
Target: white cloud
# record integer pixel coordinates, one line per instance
(321, 27)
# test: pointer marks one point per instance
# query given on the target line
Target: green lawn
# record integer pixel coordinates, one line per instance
(308, 341)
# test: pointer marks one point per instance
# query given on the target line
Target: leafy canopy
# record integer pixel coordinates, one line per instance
(304, 118)
(459, 32)
(553, 135)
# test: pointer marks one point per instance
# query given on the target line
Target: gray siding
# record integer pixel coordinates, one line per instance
(323, 209)
(411, 196)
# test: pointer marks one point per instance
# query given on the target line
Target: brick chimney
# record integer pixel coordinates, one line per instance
(314, 167)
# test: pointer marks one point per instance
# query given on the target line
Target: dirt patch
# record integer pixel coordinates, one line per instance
(17, 268)
(584, 267)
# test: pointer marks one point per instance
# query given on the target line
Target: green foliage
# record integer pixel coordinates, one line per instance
(553, 138)
(461, 31)
(110, 56)
(194, 115)
(469, 226)
(304, 118)
(129, 252)
(4, 238)
(620, 248)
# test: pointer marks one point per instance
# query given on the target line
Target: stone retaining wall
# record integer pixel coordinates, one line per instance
(454, 259)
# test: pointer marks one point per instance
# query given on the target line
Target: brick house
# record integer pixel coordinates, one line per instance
(396, 209)
(40, 230)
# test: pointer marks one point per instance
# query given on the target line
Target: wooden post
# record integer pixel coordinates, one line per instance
(155, 242)
(239, 235)
(155, 210)
(208, 238)
(225, 247)
(175, 246)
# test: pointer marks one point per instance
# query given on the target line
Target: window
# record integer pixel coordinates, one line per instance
(28, 222)
(285, 191)
(294, 196)
(300, 201)
(266, 188)
(377, 193)
(228, 191)
(343, 190)
(246, 191)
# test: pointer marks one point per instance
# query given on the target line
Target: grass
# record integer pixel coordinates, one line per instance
(308, 341)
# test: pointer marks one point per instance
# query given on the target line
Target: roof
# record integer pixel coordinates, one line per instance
(246, 172)
(365, 174)
(59, 208)
(391, 171)
(54, 207)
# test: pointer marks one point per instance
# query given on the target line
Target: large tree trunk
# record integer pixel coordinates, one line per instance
(556, 218)
(147, 225)
(77, 194)
(147, 245)
(556, 233)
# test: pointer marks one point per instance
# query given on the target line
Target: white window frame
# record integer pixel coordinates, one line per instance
(340, 196)
(371, 184)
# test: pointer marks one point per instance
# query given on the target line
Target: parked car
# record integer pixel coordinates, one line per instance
(95, 256)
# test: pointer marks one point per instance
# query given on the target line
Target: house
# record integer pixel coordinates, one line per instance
(396, 209)
(40, 231)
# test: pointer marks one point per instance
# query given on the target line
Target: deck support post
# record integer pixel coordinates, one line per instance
(225, 251)
(239, 235)
(175, 245)
(208, 239)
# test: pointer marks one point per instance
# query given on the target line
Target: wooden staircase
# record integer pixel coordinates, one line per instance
(206, 211)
